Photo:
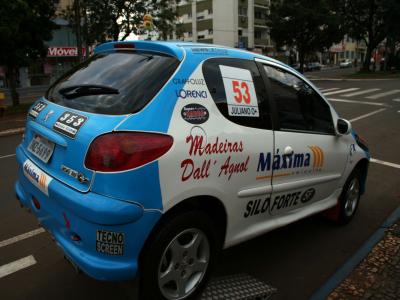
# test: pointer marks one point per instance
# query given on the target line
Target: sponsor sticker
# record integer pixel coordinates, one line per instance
(38, 178)
(183, 94)
(190, 81)
(110, 242)
(240, 92)
(69, 123)
(307, 195)
(291, 162)
(209, 50)
(204, 158)
(195, 113)
(37, 108)
(278, 203)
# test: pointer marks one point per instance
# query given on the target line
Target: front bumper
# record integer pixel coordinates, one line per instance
(67, 213)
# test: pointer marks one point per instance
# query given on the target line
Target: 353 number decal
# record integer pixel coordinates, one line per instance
(69, 118)
(69, 123)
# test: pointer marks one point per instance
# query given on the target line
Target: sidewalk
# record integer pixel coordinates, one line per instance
(378, 275)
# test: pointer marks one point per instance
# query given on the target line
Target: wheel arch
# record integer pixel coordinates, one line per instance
(210, 205)
(362, 165)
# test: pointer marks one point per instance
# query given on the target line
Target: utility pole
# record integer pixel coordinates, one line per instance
(78, 29)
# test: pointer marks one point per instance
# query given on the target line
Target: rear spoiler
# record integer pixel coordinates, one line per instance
(162, 47)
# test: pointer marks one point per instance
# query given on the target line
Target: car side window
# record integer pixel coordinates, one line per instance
(238, 90)
(299, 107)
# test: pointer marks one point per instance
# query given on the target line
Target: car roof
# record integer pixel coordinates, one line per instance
(178, 49)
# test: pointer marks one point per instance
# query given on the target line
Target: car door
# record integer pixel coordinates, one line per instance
(309, 157)
(238, 91)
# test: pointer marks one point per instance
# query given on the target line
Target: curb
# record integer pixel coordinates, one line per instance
(12, 131)
(324, 291)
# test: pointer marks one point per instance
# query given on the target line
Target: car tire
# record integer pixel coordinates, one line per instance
(350, 197)
(178, 258)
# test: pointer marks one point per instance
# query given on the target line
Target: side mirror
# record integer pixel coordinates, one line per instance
(343, 126)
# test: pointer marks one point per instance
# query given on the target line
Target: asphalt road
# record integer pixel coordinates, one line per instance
(296, 259)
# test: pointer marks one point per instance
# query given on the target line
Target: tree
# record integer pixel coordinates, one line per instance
(392, 21)
(365, 20)
(117, 19)
(24, 26)
(308, 25)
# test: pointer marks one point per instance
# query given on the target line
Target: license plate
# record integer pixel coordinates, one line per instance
(41, 148)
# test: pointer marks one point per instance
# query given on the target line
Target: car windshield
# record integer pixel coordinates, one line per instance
(113, 83)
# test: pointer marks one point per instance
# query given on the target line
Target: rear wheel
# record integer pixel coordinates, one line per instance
(350, 197)
(178, 258)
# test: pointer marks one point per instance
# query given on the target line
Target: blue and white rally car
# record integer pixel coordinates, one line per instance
(149, 157)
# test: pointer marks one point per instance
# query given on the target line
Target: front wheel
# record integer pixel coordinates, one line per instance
(177, 261)
(350, 197)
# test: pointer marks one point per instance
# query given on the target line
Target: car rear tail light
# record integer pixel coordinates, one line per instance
(120, 151)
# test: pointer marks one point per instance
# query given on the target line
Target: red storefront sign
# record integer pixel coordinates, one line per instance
(64, 51)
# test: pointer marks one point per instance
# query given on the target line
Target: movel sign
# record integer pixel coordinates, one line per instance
(64, 51)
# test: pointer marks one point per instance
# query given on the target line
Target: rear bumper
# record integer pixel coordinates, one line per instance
(66, 213)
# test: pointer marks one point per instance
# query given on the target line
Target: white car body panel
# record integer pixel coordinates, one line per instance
(240, 192)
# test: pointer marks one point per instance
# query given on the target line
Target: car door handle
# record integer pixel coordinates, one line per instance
(288, 150)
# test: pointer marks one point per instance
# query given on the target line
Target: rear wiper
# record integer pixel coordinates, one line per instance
(76, 91)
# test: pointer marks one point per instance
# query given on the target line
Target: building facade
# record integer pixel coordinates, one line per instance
(233, 23)
(61, 52)
(348, 48)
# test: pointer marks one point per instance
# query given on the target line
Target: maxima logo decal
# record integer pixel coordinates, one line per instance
(268, 162)
(318, 156)
(36, 176)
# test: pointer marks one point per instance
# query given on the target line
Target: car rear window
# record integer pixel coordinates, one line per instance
(113, 83)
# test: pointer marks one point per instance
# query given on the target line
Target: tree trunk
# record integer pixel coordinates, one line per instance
(385, 63)
(301, 60)
(12, 79)
(85, 30)
(367, 58)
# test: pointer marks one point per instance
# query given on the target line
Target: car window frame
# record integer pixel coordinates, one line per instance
(267, 93)
(273, 103)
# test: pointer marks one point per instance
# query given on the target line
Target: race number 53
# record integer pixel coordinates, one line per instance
(241, 90)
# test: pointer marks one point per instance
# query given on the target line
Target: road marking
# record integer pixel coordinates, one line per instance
(328, 90)
(361, 92)
(12, 131)
(396, 100)
(17, 265)
(21, 237)
(367, 115)
(385, 163)
(358, 102)
(341, 91)
(6, 156)
(376, 96)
